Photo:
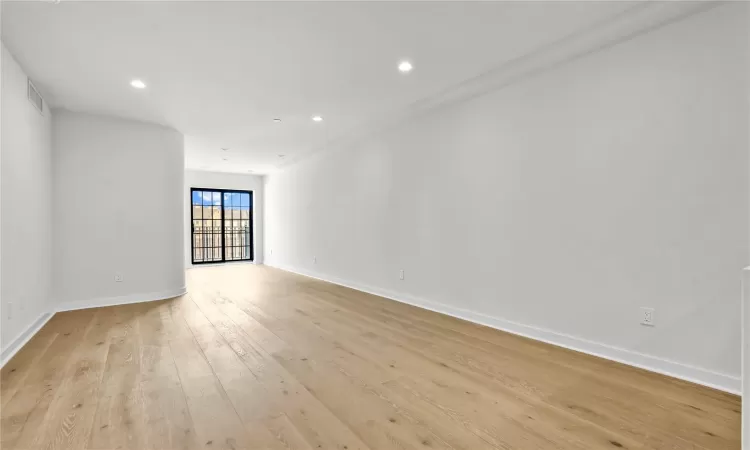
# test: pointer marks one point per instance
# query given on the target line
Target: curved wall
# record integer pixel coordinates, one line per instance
(117, 210)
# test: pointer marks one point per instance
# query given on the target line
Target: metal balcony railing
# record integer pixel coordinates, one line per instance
(209, 243)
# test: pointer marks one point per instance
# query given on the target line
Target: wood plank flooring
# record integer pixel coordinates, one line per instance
(257, 358)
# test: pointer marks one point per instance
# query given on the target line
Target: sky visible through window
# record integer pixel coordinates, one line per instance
(232, 200)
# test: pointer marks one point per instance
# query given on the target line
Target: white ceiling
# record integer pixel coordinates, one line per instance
(219, 72)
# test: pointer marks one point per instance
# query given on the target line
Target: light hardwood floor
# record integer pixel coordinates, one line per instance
(254, 357)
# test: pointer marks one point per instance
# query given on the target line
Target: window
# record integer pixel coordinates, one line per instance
(222, 225)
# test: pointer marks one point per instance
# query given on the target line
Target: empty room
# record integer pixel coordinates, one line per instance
(362, 225)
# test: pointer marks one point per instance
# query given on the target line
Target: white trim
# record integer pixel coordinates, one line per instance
(705, 377)
(10, 351)
(122, 300)
(745, 314)
(22, 339)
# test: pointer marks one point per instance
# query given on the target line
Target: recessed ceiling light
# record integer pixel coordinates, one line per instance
(138, 84)
(405, 67)
(317, 119)
(277, 120)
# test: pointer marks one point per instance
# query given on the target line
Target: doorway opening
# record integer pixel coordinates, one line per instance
(221, 225)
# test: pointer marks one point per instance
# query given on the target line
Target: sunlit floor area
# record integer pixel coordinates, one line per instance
(254, 357)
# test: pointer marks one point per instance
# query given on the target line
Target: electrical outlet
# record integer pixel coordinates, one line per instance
(315, 259)
(401, 274)
(647, 316)
(118, 278)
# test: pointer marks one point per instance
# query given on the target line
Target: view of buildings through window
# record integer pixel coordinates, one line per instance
(222, 225)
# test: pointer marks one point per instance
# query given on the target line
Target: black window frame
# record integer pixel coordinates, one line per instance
(251, 220)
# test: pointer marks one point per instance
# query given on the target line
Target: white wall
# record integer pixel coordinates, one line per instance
(118, 208)
(25, 188)
(220, 180)
(556, 206)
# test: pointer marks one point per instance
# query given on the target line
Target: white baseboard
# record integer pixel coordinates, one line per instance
(121, 300)
(11, 349)
(7, 353)
(723, 382)
(746, 356)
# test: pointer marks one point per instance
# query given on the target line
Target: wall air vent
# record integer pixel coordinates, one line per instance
(34, 97)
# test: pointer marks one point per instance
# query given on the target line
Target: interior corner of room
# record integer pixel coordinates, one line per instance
(576, 193)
